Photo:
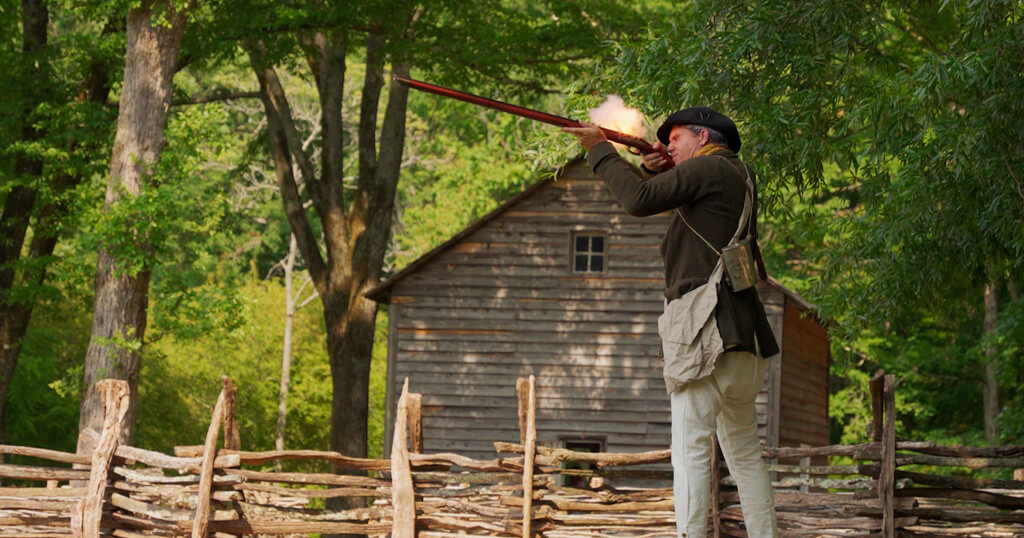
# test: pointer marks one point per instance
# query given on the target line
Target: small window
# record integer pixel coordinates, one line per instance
(580, 445)
(588, 253)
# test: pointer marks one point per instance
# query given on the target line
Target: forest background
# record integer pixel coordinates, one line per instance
(887, 135)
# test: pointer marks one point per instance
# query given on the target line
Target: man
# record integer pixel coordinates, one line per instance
(708, 186)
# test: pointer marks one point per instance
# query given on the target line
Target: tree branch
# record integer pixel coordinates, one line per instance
(920, 37)
(368, 252)
(307, 300)
(1009, 169)
(373, 82)
(495, 75)
(273, 94)
(327, 59)
(290, 196)
(216, 96)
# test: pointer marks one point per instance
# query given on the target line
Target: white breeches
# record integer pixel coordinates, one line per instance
(722, 401)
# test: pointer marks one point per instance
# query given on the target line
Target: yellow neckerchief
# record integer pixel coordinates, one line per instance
(710, 149)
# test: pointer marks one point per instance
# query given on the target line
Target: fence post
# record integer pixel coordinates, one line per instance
(232, 440)
(883, 429)
(403, 499)
(716, 486)
(522, 387)
(529, 451)
(85, 519)
(416, 423)
(877, 386)
(887, 473)
(805, 462)
(201, 523)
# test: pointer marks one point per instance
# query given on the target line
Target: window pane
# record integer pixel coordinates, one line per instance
(581, 262)
(597, 263)
(583, 446)
(581, 243)
(597, 244)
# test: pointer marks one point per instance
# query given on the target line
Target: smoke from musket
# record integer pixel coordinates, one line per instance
(614, 114)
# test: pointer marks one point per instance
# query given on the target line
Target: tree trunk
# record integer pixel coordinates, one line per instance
(286, 354)
(17, 211)
(990, 391)
(19, 202)
(120, 304)
(355, 238)
(349, 341)
(14, 318)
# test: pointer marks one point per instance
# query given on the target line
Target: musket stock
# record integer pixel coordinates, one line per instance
(639, 144)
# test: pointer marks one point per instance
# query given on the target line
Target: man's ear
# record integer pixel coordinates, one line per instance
(704, 137)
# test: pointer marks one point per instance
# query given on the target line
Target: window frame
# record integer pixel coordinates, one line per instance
(601, 443)
(589, 253)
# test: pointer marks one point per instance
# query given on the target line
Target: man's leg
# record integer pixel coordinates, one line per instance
(693, 420)
(739, 377)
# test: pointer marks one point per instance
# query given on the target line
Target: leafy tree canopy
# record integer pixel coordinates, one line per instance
(891, 128)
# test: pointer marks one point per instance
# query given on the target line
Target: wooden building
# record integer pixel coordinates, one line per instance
(561, 283)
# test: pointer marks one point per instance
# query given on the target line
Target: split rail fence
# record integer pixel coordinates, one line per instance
(884, 488)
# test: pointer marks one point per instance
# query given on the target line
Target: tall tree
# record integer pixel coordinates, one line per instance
(292, 303)
(505, 44)
(154, 34)
(37, 201)
(348, 269)
(18, 205)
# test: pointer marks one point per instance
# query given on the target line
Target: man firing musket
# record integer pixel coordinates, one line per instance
(715, 334)
(712, 385)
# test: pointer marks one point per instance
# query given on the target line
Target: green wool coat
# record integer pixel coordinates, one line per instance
(709, 190)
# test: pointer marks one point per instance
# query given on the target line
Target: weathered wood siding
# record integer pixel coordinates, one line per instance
(504, 303)
(768, 399)
(804, 387)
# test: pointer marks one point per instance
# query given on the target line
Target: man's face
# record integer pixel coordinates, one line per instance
(684, 143)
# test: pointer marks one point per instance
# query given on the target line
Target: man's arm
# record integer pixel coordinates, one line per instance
(685, 183)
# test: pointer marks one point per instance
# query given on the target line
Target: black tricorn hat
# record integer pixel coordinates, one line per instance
(702, 115)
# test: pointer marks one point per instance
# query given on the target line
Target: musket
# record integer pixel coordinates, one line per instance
(638, 144)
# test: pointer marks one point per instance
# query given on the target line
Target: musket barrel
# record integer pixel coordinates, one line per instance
(632, 141)
(489, 103)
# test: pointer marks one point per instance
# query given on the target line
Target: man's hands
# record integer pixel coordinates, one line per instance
(654, 161)
(592, 135)
(588, 135)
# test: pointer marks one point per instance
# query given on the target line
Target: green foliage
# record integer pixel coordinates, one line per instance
(161, 222)
(378, 389)
(42, 405)
(881, 133)
(849, 407)
(1010, 343)
(466, 163)
(884, 136)
(198, 226)
(47, 85)
(180, 379)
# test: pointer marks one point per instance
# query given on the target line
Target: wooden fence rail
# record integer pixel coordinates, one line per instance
(887, 487)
